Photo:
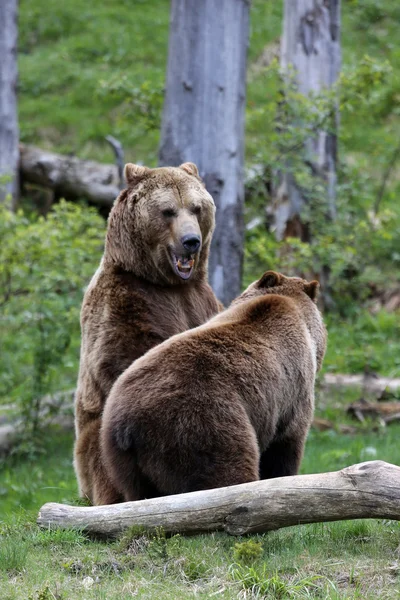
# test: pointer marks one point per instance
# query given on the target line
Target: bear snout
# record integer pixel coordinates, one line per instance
(191, 242)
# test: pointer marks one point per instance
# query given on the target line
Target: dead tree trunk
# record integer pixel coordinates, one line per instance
(8, 102)
(366, 490)
(203, 118)
(311, 46)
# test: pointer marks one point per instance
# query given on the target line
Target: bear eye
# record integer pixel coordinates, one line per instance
(196, 210)
(169, 213)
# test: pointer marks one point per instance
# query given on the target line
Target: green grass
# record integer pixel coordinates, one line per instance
(343, 560)
(68, 52)
(45, 477)
(364, 341)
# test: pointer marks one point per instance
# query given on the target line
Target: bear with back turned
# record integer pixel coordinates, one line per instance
(151, 285)
(226, 403)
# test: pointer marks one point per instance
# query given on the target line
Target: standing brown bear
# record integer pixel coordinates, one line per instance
(151, 285)
(226, 403)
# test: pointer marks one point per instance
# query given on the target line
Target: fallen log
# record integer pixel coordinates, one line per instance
(373, 384)
(70, 177)
(56, 409)
(365, 490)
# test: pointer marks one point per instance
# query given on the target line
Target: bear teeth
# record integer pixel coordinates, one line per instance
(185, 264)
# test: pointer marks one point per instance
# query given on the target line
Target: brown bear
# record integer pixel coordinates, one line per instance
(226, 403)
(151, 284)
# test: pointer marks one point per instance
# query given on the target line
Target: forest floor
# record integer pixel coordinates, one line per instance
(345, 560)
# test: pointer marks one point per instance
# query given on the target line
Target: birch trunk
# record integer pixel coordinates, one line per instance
(203, 119)
(311, 46)
(366, 490)
(9, 134)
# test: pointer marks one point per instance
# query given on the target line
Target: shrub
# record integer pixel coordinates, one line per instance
(44, 265)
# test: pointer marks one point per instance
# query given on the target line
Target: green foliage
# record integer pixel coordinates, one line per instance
(44, 265)
(364, 341)
(247, 552)
(42, 477)
(144, 102)
(359, 246)
(66, 52)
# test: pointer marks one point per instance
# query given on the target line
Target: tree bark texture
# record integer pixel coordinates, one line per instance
(365, 490)
(311, 46)
(9, 133)
(70, 177)
(203, 119)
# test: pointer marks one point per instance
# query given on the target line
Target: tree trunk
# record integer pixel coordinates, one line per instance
(311, 46)
(367, 490)
(8, 102)
(203, 118)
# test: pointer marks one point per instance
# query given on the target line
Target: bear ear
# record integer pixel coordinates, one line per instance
(190, 168)
(134, 173)
(269, 279)
(312, 290)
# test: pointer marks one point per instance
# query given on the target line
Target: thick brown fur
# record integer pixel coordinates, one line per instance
(136, 299)
(226, 403)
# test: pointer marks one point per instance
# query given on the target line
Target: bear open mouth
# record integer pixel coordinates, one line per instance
(183, 265)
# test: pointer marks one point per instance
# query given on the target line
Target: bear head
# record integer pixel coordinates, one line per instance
(303, 293)
(160, 226)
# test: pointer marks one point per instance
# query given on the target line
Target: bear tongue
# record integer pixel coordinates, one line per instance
(185, 264)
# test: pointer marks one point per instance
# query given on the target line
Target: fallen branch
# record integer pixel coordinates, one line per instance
(373, 384)
(366, 490)
(386, 411)
(70, 177)
(325, 425)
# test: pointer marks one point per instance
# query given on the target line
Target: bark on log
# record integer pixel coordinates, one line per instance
(70, 177)
(203, 119)
(9, 133)
(365, 490)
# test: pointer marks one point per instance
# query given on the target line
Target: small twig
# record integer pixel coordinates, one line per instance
(119, 157)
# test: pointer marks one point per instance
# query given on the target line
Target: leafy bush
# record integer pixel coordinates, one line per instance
(139, 102)
(247, 552)
(44, 265)
(364, 232)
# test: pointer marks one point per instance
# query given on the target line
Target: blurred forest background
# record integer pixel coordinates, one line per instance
(90, 69)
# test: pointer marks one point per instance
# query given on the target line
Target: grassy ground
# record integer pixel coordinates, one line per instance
(348, 560)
